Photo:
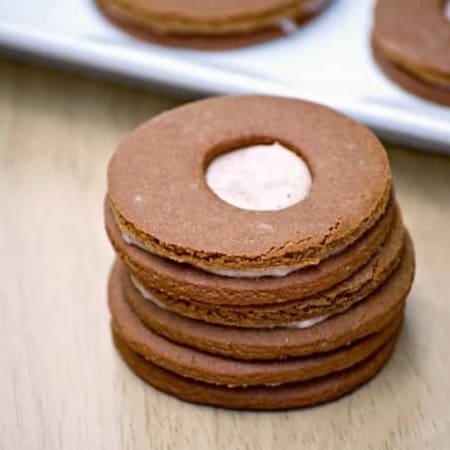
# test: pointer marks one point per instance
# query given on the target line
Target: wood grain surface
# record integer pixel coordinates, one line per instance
(62, 386)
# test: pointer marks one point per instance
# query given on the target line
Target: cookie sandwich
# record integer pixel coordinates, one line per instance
(208, 24)
(411, 44)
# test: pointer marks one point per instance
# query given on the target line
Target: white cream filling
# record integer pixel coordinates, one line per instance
(289, 26)
(259, 178)
(130, 240)
(147, 295)
(308, 323)
(254, 273)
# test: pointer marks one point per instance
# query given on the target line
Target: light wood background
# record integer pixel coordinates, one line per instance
(62, 386)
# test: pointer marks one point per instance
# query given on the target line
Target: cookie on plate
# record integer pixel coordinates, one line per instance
(411, 43)
(208, 24)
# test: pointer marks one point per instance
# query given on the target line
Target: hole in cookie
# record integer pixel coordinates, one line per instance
(259, 177)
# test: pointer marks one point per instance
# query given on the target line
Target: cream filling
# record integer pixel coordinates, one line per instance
(259, 178)
(253, 273)
(130, 240)
(308, 323)
(289, 26)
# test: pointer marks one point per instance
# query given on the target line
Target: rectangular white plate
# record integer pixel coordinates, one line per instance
(328, 61)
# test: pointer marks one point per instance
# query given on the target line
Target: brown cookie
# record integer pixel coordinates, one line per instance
(229, 25)
(367, 317)
(411, 43)
(191, 363)
(286, 396)
(158, 192)
(414, 85)
(189, 283)
(332, 301)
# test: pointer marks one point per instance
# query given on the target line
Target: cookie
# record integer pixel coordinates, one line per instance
(411, 44)
(188, 223)
(332, 301)
(292, 395)
(190, 283)
(207, 25)
(207, 368)
(201, 366)
(367, 317)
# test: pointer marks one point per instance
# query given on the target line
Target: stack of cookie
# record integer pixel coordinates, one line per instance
(238, 308)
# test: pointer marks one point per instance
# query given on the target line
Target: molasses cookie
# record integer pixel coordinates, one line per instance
(411, 43)
(206, 24)
(190, 224)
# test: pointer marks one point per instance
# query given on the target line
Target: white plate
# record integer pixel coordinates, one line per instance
(328, 61)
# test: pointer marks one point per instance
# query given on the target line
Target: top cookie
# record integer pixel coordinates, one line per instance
(158, 192)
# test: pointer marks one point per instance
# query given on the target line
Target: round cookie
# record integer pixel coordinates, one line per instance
(189, 223)
(187, 282)
(286, 396)
(334, 300)
(367, 317)
(419, 64)
(414, 85)
(207, 368)
(195, 24)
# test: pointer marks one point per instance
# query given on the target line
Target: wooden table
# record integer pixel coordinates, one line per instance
(62, 386)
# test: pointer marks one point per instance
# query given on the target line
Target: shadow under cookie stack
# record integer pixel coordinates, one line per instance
(244, 309)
